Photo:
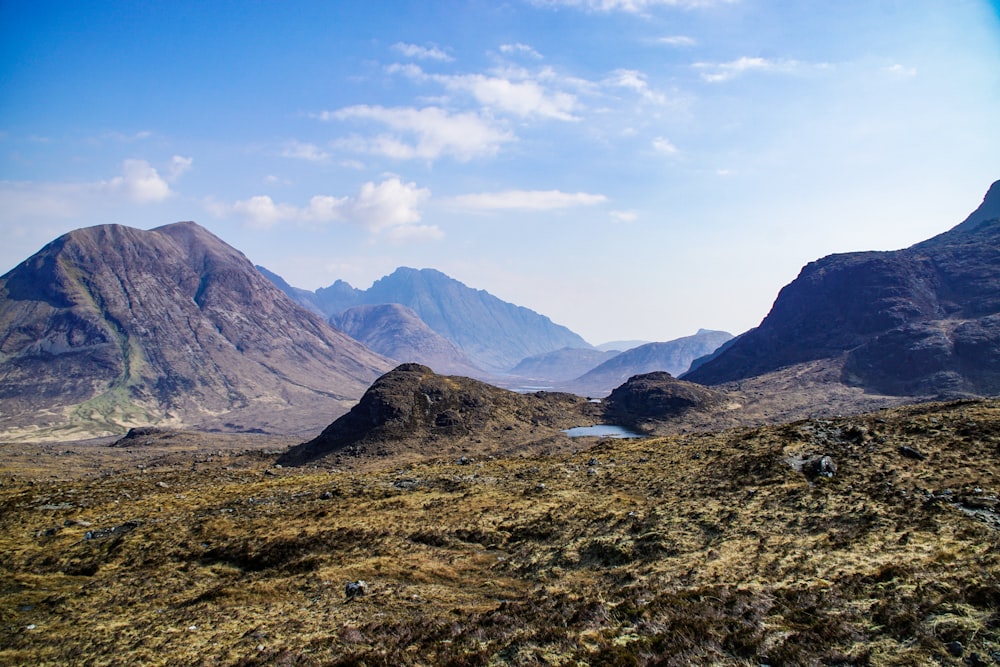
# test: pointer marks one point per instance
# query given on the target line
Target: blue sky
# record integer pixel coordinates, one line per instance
(630, 168)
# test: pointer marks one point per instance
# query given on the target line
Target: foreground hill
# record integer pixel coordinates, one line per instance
(735, 548)
(110, 326)
(494, 334)
(412, 412)
(924, 321)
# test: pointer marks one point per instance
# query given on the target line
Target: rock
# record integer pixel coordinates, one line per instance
(355, 589)
(955, 648)
(824, 466)
(911, 453)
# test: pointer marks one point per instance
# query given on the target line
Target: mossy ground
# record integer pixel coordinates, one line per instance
(706, 549)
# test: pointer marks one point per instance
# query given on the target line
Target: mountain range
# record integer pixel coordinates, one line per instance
(493, 334)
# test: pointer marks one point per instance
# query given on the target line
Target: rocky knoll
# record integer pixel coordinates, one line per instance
(655, 397)
(414, 412)
(109, 327)
(924, 321)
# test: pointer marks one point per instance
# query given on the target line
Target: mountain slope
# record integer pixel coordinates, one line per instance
(673, 357)
(110, 326)
(919, 321)
(494, 334)
(561, 365)
(395, 331)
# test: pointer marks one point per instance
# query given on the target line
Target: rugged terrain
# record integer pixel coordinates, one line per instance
(109, 327)
(742, 547)
(919, 321)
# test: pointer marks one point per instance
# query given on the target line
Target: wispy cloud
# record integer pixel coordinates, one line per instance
(901, 71)
(139, 183)
(391, 207)
(527, 200)
(422, 52)
(520, 49)
(624, 216)
(677, 40)
(636, 81)
(299, 150)
(516, 91)
(661, 145)
(629, 6)
(720, 72)
(428, 133)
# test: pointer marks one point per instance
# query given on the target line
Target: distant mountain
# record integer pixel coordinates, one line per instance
(561, 365)
(303, 297)
(673, 357)
(395, 331)
(621, 345)
(494, 334)
(109, 327)
(924, 321)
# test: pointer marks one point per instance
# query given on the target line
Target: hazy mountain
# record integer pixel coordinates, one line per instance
(110, 326)
(920, 321)
(303, 297)
(621, 345)
(673, 357)
(494, 334)
(561, 365)
(395, 331)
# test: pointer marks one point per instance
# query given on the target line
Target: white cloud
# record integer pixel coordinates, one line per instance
(422, 52)
(624, 216)
(178, 165)
(631, 6)
(720, 72)
(299, 150)
(677, 40)
(515, 91)
(520, 49)
(391, 207)
(139, 182)
(901, 71)
(427, 133)
(636, 81)
(528, 200)
(662, 145)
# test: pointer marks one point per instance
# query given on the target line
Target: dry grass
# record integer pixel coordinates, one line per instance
(704, 549)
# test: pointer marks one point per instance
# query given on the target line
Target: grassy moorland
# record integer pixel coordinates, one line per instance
(706, 549)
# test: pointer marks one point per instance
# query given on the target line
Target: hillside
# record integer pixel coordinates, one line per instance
(924, 321)
(396, 332)
(561, 365)
(494, 334)
(109, 327)
(733, 548)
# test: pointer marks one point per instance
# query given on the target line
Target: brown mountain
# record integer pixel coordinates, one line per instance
(412, 412)
(923, 321)
(397, 332)
(109, 327)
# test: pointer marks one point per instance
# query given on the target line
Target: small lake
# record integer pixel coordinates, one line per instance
(602, 431)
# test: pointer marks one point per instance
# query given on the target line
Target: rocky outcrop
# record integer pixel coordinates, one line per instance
(414, 410)
(916, 322)
(656, 397)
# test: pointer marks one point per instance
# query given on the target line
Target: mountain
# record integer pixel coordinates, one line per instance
(621, 345)
(561, 365)
(413, 412)
(494, 334)
(673, 357)
(303, 297)
(395, 331)
(923, 321)
(109, 327)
